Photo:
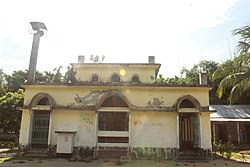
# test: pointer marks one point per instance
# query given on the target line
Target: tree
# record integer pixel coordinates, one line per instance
(244, 42)
(10, 117)
(15, 80)
(235, 76)
(70, 75)
(2, 82)
(236, 72)
(192, 75)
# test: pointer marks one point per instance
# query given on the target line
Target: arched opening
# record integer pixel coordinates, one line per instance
(113, 127)
(44, 101)
(186, 104)
(135, 79)
(95, 78)
(41, 106)
(189, 126)
(114, 101)
(115, 78)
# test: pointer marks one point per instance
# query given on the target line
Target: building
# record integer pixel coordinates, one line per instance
(231, 123)
(117, 109)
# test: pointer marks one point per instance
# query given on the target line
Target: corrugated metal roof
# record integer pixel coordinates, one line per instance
(229, 112)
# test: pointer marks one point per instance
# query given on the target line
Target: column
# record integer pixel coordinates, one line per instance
(177, 131)
(238, 132)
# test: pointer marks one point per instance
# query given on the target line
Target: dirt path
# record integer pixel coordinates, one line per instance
(113, 163)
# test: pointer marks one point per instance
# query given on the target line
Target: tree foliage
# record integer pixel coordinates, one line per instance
(244, 41)
(12, 95)
(191, 76)
(10, 117)
(235, 74)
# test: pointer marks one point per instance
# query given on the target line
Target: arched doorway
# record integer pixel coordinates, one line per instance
(189, 125)
(113, 127)
(40, 108)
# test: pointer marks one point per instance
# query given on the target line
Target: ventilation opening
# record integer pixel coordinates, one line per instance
(115, 78)
(114, 101)
(44, 101)
(186, 104)
(95, 78)
(135, 79)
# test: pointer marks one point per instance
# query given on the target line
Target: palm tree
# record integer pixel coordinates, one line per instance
(235, 74)
(244, 43)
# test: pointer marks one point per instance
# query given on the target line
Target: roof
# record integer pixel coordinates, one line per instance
(230, 113)
(131, 84)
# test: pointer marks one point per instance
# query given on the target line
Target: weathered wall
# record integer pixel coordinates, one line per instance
(24, 129)
(153, 129)
(83, 122)
(206, 131)
(91, 95)
(146, 73)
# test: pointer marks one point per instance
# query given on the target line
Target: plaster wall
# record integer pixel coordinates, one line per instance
(153, 129)
(138, 96)
(24, 129)
(83, 122)
(146, 74)
(206, 131)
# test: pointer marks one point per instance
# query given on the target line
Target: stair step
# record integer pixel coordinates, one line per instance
(35, 155)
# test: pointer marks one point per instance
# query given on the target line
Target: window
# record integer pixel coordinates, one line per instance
(115, 78)
(135, 79)
(95, 78)
(113, 121)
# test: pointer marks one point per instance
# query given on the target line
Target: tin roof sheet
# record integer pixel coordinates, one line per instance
(230, 112)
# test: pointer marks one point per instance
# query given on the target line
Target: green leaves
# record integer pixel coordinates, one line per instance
(244, 43)
(10, 117)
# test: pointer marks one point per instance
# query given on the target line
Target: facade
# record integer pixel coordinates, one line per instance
(231, 123)
(117, 109)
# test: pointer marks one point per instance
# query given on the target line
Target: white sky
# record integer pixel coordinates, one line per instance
(177, 32)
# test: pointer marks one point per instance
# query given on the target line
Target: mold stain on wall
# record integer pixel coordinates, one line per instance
(92, 98)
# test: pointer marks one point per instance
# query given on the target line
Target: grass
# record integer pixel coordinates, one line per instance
(4, 159)
(237, 156)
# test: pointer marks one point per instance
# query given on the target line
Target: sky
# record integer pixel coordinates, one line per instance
(179, 33)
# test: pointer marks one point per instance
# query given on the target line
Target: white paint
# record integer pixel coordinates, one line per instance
(113, 133)
(190, 110)
(153, 129)
(206, 131)
(113, 145)
(83, 122)
(201, 130)
(65, 143)
(177, 130)
(50, 128)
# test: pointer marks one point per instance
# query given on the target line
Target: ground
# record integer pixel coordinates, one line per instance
(59, 162)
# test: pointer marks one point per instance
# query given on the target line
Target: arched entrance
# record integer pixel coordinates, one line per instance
(189, 125)
(113, 127)
(41, 106)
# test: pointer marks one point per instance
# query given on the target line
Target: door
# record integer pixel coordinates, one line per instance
(189, 131)
(40, 129)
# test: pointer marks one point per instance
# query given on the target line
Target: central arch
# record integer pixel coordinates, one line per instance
(188, 111)
(113, 126)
